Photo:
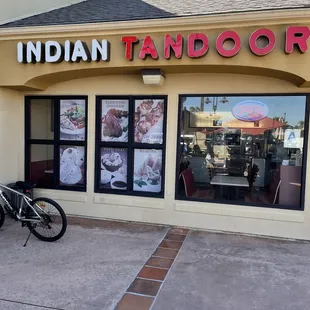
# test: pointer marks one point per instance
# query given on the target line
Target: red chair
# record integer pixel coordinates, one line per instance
(190, 188)
(269, 197)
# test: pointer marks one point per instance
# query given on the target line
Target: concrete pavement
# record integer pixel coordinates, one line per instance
(88, 269)
(229, 272)
(98, 261)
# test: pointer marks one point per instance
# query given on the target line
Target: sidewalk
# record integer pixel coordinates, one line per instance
(124, 266)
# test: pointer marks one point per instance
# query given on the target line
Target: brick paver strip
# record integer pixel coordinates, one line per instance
(150, 278)
(144, 287)
(167, 253)
(153, 273)
(174, 237)
(134, 302)
(175, 245)
(160, 262)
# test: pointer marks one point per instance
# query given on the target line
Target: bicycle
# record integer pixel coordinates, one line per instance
(39, 215)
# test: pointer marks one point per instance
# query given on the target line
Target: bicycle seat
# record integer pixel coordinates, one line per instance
(25, 185)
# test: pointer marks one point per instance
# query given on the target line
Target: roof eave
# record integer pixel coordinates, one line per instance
(212, 21)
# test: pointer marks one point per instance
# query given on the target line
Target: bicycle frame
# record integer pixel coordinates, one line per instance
(26, 201)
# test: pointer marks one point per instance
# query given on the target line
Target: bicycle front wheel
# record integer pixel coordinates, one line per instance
(2, 216)
(54, 223)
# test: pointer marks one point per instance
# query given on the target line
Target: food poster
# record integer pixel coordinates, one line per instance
(72, 120)
(114, 121)
(72, 165)
(149, 121)
(148, 170)
(113, 168)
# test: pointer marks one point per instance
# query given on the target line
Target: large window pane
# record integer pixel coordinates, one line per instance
(42, 165)
(42, 119)
(242, 149)
(50, 122)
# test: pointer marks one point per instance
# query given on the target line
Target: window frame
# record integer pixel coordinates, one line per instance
(130, 145)
(56, 142)
(231, 202)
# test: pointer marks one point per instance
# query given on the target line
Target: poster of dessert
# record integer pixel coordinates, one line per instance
(72, 120)
(147, 170)
(114, 120)
(149, 120)
(72, 165)
(113, 168)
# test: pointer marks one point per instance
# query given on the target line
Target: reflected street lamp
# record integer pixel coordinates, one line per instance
(214, 101)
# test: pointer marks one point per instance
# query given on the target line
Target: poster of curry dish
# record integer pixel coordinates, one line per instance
(149, 120)
(148, 170)
(114, 120)
(72, 120)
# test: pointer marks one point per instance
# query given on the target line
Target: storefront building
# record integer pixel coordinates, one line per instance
(197, 121)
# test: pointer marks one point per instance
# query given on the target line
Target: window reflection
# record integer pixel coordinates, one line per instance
(242, 149)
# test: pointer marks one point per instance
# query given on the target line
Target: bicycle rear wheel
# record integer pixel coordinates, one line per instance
(55, 221)
(2, 216)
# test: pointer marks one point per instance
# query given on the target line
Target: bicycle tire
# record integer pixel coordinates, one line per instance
(2, 216)
(34, 227)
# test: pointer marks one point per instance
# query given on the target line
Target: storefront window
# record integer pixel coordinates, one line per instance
(56, 142)
(243, 150)
(130, 148)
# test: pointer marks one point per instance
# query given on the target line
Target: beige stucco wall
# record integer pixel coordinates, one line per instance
(275, 73)
(11, 134)
(275, 222)
(17, 9)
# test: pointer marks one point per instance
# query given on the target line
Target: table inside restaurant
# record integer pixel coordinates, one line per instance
(226, 180)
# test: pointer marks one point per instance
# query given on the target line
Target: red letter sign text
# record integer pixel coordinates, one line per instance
(298, 36)
(192, 52)
(262, 51)
(176, 46)
(148, 48)
(228, 35)
(129, 41)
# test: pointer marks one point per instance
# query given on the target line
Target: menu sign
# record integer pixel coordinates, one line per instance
(114, 120)
(71, 165)
(113, 168)
(148, 170)
(72, 120)
(149, 119)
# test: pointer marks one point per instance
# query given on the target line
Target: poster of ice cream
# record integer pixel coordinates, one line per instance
(147, 170)
(113, 168)
(72, 120)
(149, 120)
(114, 120)
(71, 165)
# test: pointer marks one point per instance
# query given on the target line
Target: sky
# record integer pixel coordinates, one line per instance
(293, 106)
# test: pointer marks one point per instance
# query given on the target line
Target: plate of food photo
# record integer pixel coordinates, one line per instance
(149, 121)
(72, 118)
(115, 126)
